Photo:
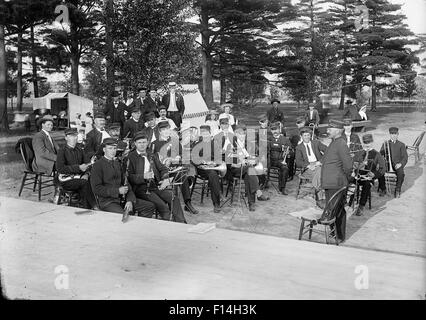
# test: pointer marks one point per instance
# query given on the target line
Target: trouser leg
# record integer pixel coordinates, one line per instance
(382, 183)
(252, 185)
(365, 189)
(400, 175)
(82, 186)
(112, 207)
(144, 208)
(340, 225)
(159, 204)
(177, 211)
(186, 192)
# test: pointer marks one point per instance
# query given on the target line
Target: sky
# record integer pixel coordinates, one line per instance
(415, 10)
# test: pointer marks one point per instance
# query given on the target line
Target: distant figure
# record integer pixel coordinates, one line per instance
(311, 116)
(78, 122)
(88, 123)
(226, 108)
(351, 111)
(27, 122)
(274, 114)
(175, 104)
(213, 122)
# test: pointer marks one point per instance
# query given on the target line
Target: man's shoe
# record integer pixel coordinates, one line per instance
(216, 209)
(397, 193)
(382, 193)
(190, 208)
(359, 211)
(262, 198)
(251, 207)
(283, 192)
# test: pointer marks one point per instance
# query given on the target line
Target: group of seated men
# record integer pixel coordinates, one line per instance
(134, 174)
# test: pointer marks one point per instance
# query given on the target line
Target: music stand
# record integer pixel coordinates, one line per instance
(179, 175)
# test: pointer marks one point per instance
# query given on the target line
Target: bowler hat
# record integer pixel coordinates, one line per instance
(393, 130)
(44, 119)
(275, 100)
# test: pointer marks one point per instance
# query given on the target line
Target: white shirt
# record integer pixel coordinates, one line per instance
(311, 114)
(172, 103)
(147, 166)
(104, 134)
(214, 126)
(50, 138)
(348, 139)
(229, 116)
(311, 158)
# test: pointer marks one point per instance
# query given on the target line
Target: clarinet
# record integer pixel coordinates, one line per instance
(126, 183)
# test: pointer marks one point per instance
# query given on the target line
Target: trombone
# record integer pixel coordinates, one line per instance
(390, 175)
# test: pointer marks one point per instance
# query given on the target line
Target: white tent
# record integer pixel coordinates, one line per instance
(72, 103)
(195, 106)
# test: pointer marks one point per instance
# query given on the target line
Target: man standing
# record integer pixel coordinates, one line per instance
(175, 104)
(336, 170)
(108, 184)
(133, 125)
(45, 148)
(146, 172)
(115, 112)
(95, 137)
(274, 114)
(399, 158)
(150, 103)
(279, 149)
(139, 102)
(352, 140)
(73, 169)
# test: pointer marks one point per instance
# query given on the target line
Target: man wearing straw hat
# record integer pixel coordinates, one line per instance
(175, 104)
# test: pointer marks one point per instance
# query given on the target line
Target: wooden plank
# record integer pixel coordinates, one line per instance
(152, 259)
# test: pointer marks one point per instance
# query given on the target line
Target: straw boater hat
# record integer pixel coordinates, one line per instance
(222, 106)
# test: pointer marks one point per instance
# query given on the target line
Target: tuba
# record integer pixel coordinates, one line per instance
(220, 168)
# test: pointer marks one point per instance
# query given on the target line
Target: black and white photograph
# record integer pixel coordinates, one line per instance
(225, 151)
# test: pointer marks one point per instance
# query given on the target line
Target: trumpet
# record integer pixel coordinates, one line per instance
(220, 168)
(285, 155)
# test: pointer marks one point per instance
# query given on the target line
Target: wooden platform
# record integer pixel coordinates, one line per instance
(151, 259)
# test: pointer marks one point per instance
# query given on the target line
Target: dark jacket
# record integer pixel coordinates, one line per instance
(336, 165)
(398, 152)
(45, 154)
(150, 105)
(93, 142)
(277, 147)
(274, 115)
(69, 160)
(355, 142)
(180, 103)
(375, 162)
(136, 170)
(106, 178)
(352, 113)
(116, 115)
(315, 117)
(131, 127)
(318, 149)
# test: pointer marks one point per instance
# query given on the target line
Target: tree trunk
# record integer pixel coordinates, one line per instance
(109, 11)
(342, 93)
(206, 60)
(19, 76)
(34, 64)
(222, 80)
(373, 92)
(3, 72)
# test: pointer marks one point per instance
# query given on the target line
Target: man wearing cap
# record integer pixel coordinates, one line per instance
(115, 112)
(351, 111)
(150, 130)
(95, 137)
(312, 116)
(175, 104)
(399, 158)
(162, 111)
(139, 102)
(336, 170)
(133, 125)
(45, 148)
(225, 137)
(108, 181)
(274, 114)
(73, 169)
(279, 147)
(352, 140)
(170, 154)
(243, 166)
(368, 166)
(149, 178)
(150, 103)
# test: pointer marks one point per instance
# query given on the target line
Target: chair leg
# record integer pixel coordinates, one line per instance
(369, 199)
(193, 185)
(298, 188)
(310, 230)
(24, 178)
(39, 187)
(326, 234)
(302, 227)
(202, 191)
(35, 182)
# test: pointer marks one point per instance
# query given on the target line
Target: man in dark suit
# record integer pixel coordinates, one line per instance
(311, 116)
(149, 178)
(150, 103)
(352, 140)
(133, 125)
(336, 170)
(274, 114)
(73, 169)
(45, 148)
(151, 130)
(175, 104)
(139, 102)
(95, 136)
(351, 111)
(399, 158)
(109, 184)
(115, 112)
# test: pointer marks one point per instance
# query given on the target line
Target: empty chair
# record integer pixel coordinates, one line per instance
(415, 148)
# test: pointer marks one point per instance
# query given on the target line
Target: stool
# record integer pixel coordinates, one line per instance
(72, 198)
